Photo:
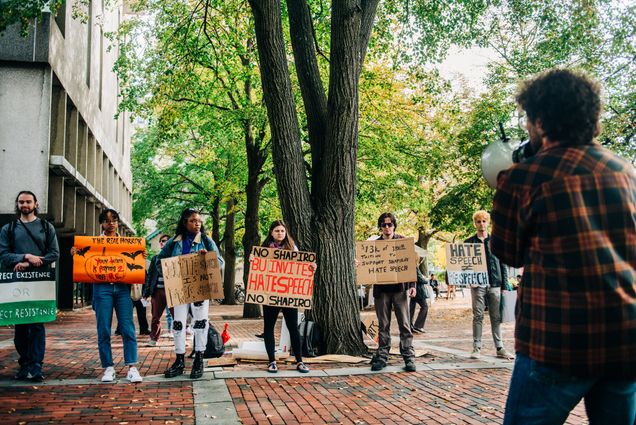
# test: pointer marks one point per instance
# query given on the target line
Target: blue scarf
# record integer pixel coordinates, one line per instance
(188, 240)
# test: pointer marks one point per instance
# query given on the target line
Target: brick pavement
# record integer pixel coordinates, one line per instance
(448, 388)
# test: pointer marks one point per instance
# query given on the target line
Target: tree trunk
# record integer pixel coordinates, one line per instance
(422, 241)
(216, 225)
(229, 242)
(255, 161)
(325, 225)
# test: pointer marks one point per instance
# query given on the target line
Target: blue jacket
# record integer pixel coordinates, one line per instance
(174, 247)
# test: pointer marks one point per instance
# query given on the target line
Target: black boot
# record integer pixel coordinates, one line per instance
(177, 367)
(197, 366)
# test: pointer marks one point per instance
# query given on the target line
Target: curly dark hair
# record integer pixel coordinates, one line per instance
(183, 219)
(387, 215)
(567, 103)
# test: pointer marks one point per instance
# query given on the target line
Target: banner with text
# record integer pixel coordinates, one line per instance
(383, 262)
(281, 278)
(191, 278)
(101, 259)
(27, 296)
(466, 264)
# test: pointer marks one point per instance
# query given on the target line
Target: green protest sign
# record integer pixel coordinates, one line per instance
(27, 296)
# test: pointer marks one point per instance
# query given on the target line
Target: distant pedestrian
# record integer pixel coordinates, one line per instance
(107, 296)
(434, 284)
(189, 237)
(27, 242)
(420, 299)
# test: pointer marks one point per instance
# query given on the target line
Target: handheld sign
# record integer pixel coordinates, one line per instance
(27, 296)
(191, 278)
(383, 262)
(281, 278)
(466, 264)
(101, 259)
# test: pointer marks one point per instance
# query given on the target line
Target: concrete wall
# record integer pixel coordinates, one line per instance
(24, 125)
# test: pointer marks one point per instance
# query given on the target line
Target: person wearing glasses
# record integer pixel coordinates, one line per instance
(189, 237)
(393, 297)
(155, 290)
(107, 296)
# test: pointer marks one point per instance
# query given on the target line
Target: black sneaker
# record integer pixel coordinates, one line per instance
(37, 378)
(261, 336)
(409, 365)
(378, 365)
(22, 374)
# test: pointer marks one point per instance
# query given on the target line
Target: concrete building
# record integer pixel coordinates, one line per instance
(59, 135)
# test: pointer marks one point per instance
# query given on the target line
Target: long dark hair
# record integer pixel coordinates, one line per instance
(288, 242)
(181, 226)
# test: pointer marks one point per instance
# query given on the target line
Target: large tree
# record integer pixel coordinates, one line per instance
(320, 209)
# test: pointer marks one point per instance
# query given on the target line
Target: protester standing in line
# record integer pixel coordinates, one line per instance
(491, 293)
(279, 238)
(189, 237)
(393, 297)
(419, 299)
(107, 296)
(155, 290)
(567, 214)
(28, 242)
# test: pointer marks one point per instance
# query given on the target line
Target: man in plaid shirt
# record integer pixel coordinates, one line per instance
(567, 215)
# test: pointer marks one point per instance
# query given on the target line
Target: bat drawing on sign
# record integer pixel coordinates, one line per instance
(82, 251)
(133, 254)
(132, 267)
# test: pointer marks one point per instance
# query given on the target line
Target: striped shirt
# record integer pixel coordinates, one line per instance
(568, 216)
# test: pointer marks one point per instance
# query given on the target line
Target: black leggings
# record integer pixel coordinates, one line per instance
(270, 315)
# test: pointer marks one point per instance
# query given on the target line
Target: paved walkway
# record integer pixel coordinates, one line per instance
(448, 388)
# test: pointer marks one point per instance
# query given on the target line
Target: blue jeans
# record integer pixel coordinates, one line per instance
(542, 395)
(30, 343)
(105, 297)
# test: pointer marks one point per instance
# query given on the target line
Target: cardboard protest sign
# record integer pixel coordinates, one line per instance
(191, 278)
(102, 259)
(281, 278)
(27, 296)
(371, 327)
(466, 264)
(383, 262)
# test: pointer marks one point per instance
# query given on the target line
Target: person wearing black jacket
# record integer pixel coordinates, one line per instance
(491, 293)
(420, 298)
(155, 289)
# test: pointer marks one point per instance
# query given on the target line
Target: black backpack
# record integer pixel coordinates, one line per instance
(11, 234)
(215, 346)
(309, 338)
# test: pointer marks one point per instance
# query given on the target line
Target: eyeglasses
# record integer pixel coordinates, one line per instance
(111, 221)
(386, 225)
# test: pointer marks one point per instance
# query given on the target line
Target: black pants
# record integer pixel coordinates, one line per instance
(30, 342)
(141, 317)
(270, 315)
(421, 316)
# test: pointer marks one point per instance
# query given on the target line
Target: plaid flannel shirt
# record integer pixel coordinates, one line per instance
(568, 216)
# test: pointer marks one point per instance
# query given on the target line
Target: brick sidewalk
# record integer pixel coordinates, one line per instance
(448, 388)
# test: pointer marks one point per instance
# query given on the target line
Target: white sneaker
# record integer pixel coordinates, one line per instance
(475, 354)
(152, 343)
(109, 374)
(133, 375)
(502, 353)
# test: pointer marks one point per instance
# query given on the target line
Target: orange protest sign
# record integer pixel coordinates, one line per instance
(281, 278)
(109, 259)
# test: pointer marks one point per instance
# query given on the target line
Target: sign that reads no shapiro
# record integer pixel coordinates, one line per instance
(281, 278)
(466, 264)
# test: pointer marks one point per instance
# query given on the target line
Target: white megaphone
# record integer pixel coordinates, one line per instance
(500, 155)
